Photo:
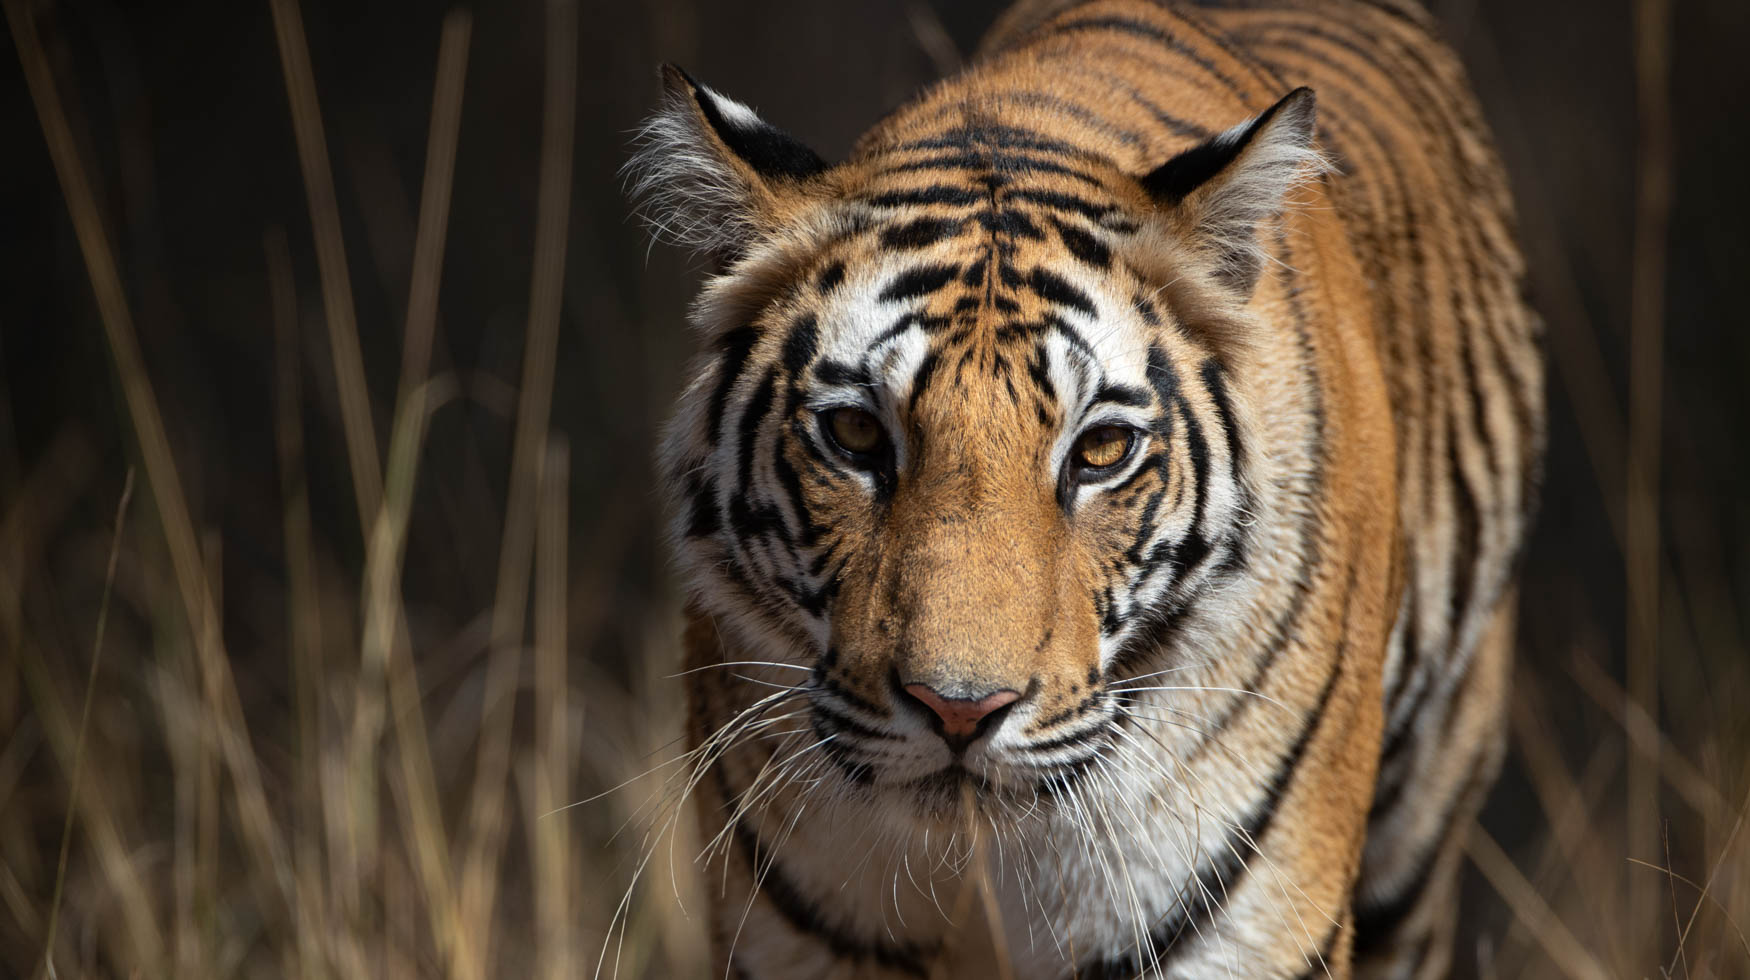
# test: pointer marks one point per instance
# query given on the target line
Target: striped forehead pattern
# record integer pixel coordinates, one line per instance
(971, 269)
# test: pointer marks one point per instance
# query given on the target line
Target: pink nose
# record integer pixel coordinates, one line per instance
(960, 716)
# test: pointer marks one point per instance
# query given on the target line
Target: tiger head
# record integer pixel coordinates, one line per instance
(966, 440)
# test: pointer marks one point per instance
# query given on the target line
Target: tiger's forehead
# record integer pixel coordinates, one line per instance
(993, 287)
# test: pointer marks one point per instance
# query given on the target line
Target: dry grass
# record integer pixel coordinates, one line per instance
(399, 808)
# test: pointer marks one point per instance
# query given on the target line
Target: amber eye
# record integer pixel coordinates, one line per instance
(1102, 447)
(854, 431)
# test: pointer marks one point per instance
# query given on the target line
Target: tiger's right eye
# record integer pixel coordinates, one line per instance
(1099, 450)
(854, 431)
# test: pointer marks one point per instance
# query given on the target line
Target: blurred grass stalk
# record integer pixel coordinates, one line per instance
(1652, 20)
(290, 873)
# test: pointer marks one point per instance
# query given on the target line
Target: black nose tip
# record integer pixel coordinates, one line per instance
(960, 721)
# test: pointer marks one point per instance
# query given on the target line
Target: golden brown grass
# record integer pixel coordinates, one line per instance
(376, 822)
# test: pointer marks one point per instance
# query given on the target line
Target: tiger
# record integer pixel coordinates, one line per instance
(1098, 501)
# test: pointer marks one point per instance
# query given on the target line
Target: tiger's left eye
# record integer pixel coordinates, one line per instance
(854, 431)
(1102, 448)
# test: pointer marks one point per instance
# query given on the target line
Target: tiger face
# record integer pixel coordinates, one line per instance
(957, 450)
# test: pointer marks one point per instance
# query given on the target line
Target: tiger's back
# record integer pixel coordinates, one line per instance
(1337, 389)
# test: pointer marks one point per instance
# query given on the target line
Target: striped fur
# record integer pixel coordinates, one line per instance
(1260, 660)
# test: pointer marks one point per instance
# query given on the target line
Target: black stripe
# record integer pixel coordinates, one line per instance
(1407, 11)
(1152, 463)
(855, 769)
(1438, 109)
(1062, 716)
(1082, 245)
(752, 521)
(1119, 394)
(1056, 290)
(830, 277)
(974, 274)
(1003, 163)
(846, 723)
(1267, 80)
(1162, 377)
(1447, 120)
(1078, 737)
(1137, 28)
(830, 684)
(1216, 383)
(808, 531)
(757, 407)
(1076, 341)
(923, 321)
(918, 281)
(1449, 114)
(1010, 223)
(1468, 343)
(1081, 57)
(1050, 102)
(702, 520)
(1145, 524)
(838, 373)
(1058, 201)
(1501, 360)
(1464, 557)
(801, 345)
(1146, 307)
(920, 379)
(919, 233)
(1197, 447)
(936, 194)
(1178, 127)
(991, 134)
(735, 346)
(1036, 370)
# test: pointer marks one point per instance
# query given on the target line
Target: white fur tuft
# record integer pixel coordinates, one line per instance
(1259, 187)
(686, 193)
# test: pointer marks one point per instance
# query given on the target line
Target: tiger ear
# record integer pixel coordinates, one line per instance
(1218, 192)
(710, 174)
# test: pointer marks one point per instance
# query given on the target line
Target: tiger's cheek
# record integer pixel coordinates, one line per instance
(843, 516)
(1117, 531)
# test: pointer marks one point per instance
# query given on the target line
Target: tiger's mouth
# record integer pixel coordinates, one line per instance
(1003, 792)
(953, 780)
(938, 779)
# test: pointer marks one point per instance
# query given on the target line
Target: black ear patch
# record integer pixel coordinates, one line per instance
(771, 152)
(1173, 181)
(1221, 190)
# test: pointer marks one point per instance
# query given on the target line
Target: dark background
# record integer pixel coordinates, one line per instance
(181, 113)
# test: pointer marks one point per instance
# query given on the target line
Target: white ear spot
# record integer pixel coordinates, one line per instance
(734, 113)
